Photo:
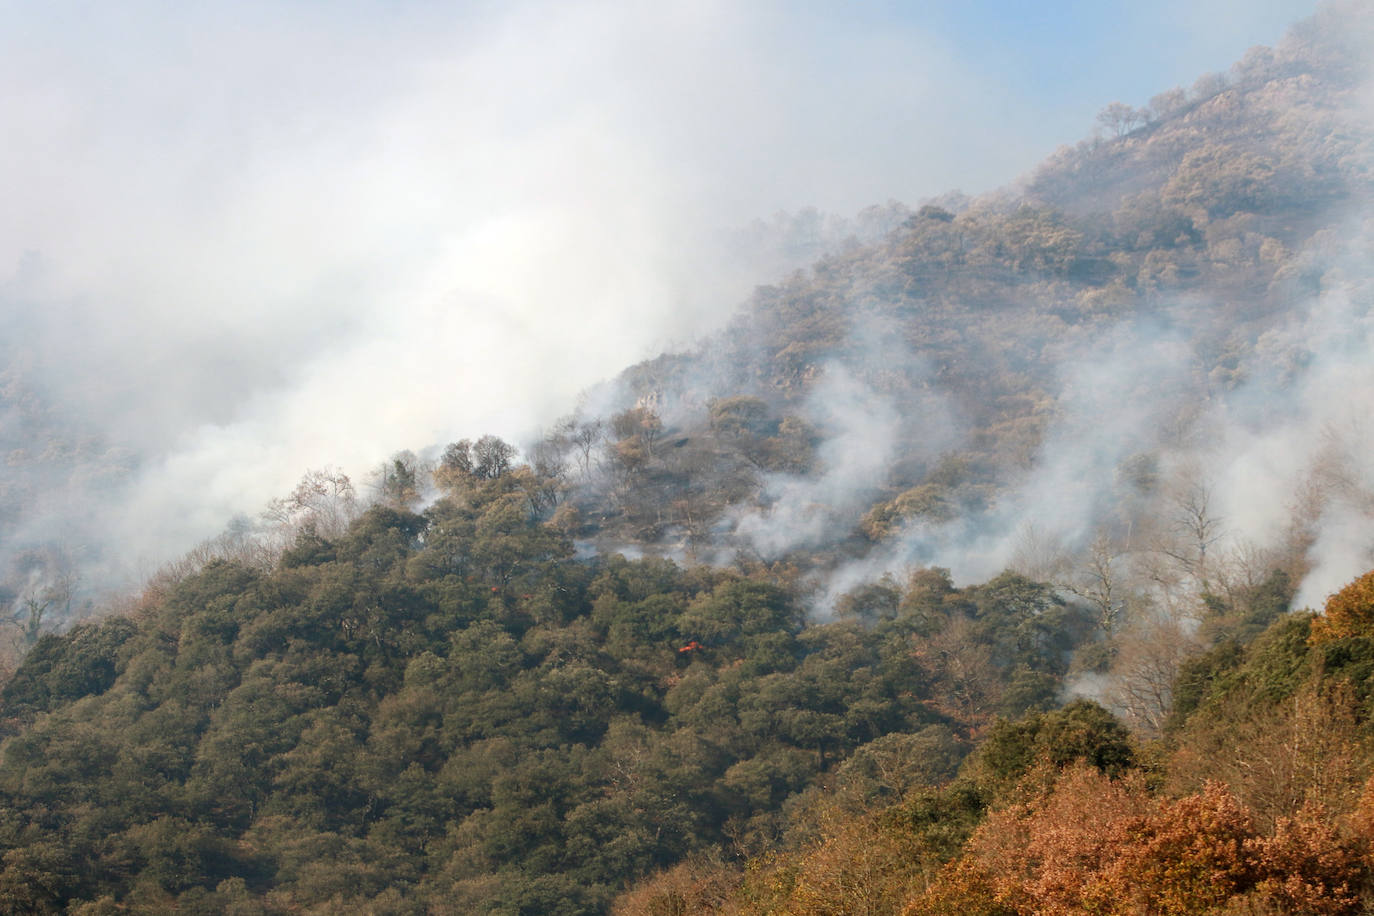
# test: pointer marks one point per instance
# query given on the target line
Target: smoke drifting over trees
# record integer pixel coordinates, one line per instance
(974, 383)
(985, 510)
(239, 246)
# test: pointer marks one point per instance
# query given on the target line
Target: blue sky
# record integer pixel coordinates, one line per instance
(1079, 50)
(1032, 76)
(967, 94)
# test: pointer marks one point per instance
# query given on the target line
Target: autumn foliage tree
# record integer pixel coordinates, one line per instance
(1349, 612)
(1092, 844)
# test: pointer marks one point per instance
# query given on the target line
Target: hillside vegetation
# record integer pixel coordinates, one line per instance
(1261, 800)
(445, 712)
(956, 575)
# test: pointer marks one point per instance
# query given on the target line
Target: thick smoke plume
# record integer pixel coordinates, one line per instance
(241, 241)
(1171, 464)
(243, 245)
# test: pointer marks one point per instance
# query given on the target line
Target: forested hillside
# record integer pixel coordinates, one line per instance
(1140, 376)
(1259, 801)
(972, 568)
(447, 712)
(1133, 299)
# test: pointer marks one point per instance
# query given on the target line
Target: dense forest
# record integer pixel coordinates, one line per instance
(1011, 557)
(449, 710)
(1257, 800)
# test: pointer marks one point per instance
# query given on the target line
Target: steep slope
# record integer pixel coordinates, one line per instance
(1258, 801)
(446, 712)
(1116, 321)
(1139, 380)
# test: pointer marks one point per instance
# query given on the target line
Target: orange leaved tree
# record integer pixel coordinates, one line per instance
(1349, 612)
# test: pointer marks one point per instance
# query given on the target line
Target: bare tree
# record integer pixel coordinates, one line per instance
(1198, 530)
(1120, 119)
(967, 680)
(31, 615)
(324, 501)
(1167, 103)
(1142, 677)
(1040, 556)
(585, 437)
(1097, 580)
(400, 481)
(50, 582)
(492, 456)
(548, 458)
(1307, 748)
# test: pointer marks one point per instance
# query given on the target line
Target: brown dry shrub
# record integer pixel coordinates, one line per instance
(694, 887)
(1096, 845)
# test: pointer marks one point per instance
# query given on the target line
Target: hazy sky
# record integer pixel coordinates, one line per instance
(257, 237)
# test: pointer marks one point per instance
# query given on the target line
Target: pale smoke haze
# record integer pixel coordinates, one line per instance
(245, 240)
(261, 242)
(860, 431)
(1288, 453)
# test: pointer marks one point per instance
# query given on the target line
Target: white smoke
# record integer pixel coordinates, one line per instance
(804, 511)
(250, 239)
(254, 240)
(1288, 452)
